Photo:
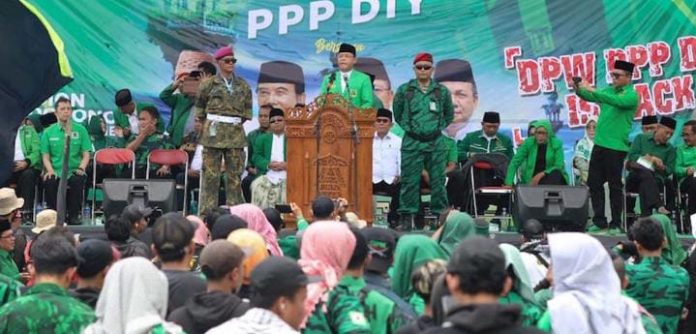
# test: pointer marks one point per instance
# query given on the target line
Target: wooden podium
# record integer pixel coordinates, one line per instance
(329, 152)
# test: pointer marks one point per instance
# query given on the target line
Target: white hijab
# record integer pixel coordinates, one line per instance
(586, 290)
(133, 299)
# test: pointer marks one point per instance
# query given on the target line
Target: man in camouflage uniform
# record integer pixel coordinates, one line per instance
(224, 101)
(423, 108)
(657, 285)
(47, 307)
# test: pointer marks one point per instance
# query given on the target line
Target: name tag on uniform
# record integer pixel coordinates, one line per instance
(433, 106)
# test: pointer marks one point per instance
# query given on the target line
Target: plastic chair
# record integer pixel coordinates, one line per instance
(487, 191)
(110, 156)
(170, 158)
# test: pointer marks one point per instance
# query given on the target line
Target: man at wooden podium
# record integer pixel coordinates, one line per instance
(353, 85)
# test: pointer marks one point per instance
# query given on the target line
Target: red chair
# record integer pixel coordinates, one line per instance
(486, 191)
(170, 158)
(110, 156)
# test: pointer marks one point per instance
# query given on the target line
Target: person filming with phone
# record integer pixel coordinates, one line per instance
(617, 104)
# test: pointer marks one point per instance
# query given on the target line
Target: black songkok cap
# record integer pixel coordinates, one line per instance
(454, 70)
(491, 117)
(381, 112)
(123, 97)
(648, 120)
(345, 47)
(624, 65)
(668, 122)
(276, 112)
(282, 72)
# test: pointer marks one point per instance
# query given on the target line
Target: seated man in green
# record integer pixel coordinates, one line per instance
(127, 112)
(269, 159)
(651, 161)
(149, 138)
(542, 156)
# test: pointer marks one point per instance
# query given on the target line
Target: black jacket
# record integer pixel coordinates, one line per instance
(87, 296)
(207, 310)
(421, 325)
(485, 318)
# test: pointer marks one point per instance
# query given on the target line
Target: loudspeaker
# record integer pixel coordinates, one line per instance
(559, 208)
(160, 195)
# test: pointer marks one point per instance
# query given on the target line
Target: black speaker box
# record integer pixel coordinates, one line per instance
(559, 208)
(159, 195)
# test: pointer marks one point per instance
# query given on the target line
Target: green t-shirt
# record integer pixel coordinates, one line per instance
(617, 107)
(342, 314)
(52, 144)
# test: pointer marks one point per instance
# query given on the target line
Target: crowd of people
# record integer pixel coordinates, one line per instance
(240, 269)
(234, 265)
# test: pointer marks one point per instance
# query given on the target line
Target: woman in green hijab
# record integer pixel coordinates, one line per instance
(522, 293)
(542, 158)
(411, 252)
(457, 227)
(673, 252)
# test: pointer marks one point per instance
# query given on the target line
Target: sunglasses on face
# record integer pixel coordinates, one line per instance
(229, 60)
(423, 67)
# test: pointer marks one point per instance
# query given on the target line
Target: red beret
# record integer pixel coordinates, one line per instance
(223, 52)
(423, 56)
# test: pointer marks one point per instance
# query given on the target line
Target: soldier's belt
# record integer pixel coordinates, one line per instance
(224, 119)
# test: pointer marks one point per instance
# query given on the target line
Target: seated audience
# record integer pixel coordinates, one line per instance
(94, 260)
(522, 291)
(47, 307)
(133, 300)
(534, 251)
(279, 291)
(148, 139)
(423, 280)
(118, 231)
(172, 236)
(685, 165)
(257, 221)
(541, 156)
(255, 247)
(221, 263)
(583, 151)
(226, 224)
(270, 160)
(27, 166)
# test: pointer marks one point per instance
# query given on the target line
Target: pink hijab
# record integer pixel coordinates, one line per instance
(326, 250)
(257, 221)
(202, 235)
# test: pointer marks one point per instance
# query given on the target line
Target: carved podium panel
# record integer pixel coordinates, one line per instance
(329, 152)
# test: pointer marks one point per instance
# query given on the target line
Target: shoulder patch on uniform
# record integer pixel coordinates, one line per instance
(357, 318)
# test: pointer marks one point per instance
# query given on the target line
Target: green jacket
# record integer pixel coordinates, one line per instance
(686, 157)
(262, 151)
(475, 142)
(457, 227)
(342, 313)
(10, 289)
(673, 252)
(214, 98)
(660, 287)
(8, 267)
(380, 311)
(423, 116)
(154, 141)
(617, 108)
(644, 144)
(411, 251)
(121, 120)
(30, 143)
(45, 308)
(359, 89)
(181, 109)
(251, 141)
(527, 154)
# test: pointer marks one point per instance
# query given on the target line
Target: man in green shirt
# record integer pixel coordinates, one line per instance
(651, 161)
(27, 165)
(658, 286)
(52, 151)
(352, 84)
(8, 267)
(617, 106)
(423, 108)
(47, 307)
(686, 164)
